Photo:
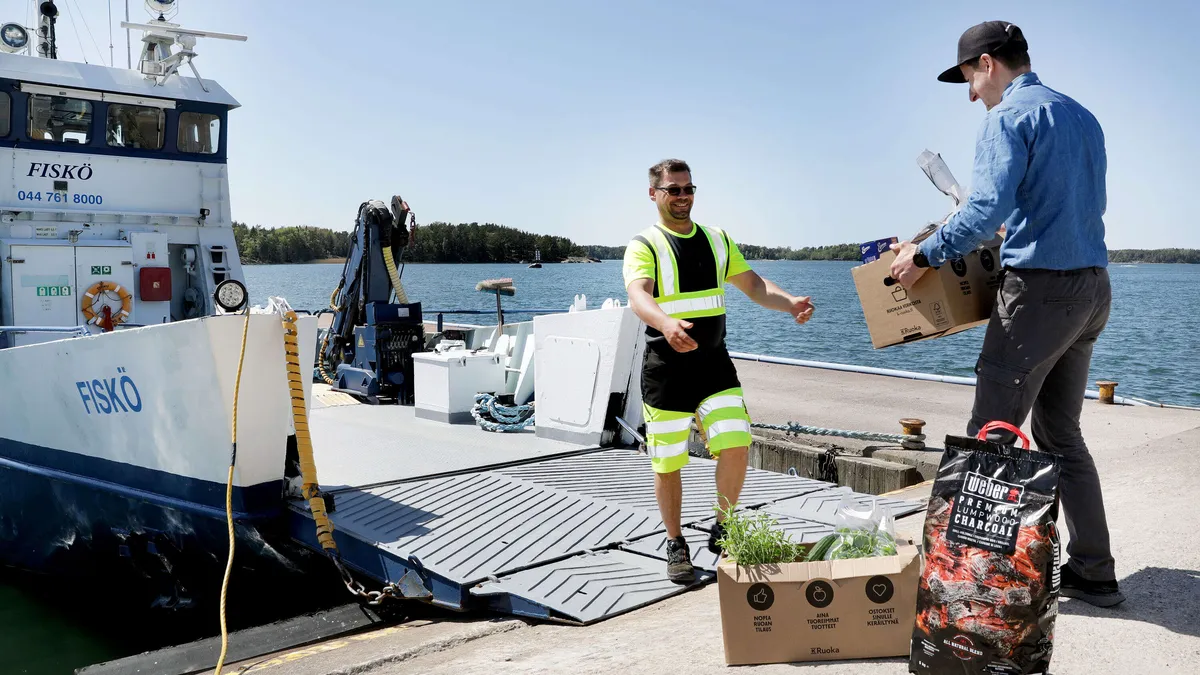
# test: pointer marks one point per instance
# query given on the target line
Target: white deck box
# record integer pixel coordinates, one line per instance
(445, 383)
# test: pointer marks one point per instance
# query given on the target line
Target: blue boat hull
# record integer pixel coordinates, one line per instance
(162, 539)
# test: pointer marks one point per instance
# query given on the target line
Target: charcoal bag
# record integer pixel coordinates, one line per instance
(988, 593)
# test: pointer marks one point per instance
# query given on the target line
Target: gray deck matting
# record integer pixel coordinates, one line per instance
(624, 477)
(469, 527)
(472, 526)
(586, 588)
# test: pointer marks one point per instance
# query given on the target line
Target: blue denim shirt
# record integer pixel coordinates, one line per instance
(1039, 167)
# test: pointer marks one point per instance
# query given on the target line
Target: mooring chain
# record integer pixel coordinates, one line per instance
(827, 465)
(358, 590)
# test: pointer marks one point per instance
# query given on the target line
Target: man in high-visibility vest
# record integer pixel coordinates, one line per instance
(675, 273)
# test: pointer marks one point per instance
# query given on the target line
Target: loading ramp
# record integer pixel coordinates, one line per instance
(574, 539)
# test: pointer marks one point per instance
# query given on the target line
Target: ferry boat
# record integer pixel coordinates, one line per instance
(116, 252)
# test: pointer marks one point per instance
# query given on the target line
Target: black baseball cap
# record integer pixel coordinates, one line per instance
(984, 38)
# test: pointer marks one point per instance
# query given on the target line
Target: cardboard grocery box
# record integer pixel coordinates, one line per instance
(957, 296)
(819, 611)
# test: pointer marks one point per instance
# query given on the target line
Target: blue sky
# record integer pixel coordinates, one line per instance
(802, 120)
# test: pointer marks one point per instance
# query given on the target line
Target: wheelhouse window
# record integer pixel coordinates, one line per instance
(5, 113)
(60, 119)
(199, 133)
(135, 126)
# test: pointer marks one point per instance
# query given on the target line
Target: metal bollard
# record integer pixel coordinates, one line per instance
(913, 426)
(1106, 391)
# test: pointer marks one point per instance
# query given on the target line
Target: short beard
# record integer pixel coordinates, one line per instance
(680, 212)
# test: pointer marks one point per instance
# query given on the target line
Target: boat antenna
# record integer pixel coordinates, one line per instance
(157, 62)
(128, 44)
(47, 41)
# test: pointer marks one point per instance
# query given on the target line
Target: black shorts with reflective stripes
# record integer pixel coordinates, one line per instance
(680, 381)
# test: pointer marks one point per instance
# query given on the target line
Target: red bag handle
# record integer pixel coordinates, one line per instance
(1006, 426)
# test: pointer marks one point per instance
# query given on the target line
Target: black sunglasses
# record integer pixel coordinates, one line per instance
(675, 190)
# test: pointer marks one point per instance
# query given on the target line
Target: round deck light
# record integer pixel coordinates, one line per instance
(161, 6)
(230, 295)
(13, 37)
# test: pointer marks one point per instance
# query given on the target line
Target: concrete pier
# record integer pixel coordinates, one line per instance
(1150, 468)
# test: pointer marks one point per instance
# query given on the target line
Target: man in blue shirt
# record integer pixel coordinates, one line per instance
(1039, 175)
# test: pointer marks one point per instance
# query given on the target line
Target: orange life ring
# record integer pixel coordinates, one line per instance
(88, 302)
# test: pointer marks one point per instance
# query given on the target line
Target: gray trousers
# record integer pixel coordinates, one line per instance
(1035, 358)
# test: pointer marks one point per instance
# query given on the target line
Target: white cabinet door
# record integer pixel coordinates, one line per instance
(41, 284)
(104, 263)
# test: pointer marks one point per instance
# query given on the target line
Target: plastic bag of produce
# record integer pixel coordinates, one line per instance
(860, 531)
(988, 595)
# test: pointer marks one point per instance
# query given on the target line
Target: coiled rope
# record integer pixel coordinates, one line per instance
(492, 416)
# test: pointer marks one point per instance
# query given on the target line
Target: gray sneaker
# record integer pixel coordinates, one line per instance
(679, 561)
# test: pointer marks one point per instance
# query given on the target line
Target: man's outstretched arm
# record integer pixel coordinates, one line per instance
(646, 309)
(768, 294)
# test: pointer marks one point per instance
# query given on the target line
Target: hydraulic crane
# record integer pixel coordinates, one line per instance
(368, 348)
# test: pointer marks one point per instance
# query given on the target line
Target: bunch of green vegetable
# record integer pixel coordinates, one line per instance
(846, 543)
(756, 539)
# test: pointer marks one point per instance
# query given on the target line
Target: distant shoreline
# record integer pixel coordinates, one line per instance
(496, 244)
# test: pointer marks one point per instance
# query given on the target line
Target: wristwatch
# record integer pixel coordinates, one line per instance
(920, 260)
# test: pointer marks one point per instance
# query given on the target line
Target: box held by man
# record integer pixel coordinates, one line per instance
(946, 300)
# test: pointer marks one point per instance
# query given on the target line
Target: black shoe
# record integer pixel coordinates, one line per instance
(679, 561)
(1098, 593)
(715, 535)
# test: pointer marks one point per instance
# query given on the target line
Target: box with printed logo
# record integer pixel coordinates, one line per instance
(819, 611)
(946, 300)
(870, 251)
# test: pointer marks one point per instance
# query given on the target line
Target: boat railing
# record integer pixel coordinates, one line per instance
(77, 331)
(442, 313)
(69, 331)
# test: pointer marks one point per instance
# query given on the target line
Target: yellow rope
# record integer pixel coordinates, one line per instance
(308, 467)
(229, 496)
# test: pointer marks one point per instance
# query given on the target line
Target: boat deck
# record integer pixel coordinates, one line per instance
(356, 445)
(520, 524)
